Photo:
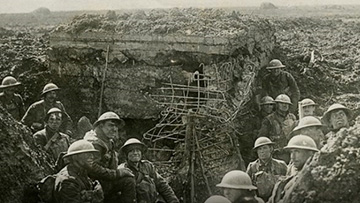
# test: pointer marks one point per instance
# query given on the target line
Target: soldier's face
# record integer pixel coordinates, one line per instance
(54, 121)
(85, 160)
(283, 106)
(299, 157)
(338, 119)
(232, 194)
(9, 91)
(308, 110)
(134, 155)
(268, 108)
(110, 129)
(275, 72)
(264, 152)
(50, 96)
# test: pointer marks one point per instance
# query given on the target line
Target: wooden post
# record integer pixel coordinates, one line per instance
(189, 150)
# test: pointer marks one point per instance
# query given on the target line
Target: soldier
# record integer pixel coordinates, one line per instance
(51, 139)
(118, 184)
(217, 199)
(34, 116)
(336, 117)
(280, 82)
(302, 147)
(149, 183)
(308, 107)
(11, 101)
(237, 187)
(265, 171)
(267, 106)
(72, 183)
(278, 125)
(312, 127)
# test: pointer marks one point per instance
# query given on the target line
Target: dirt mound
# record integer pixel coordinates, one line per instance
(42, 11)
(187, 21)
(21, 163)
(267, 6)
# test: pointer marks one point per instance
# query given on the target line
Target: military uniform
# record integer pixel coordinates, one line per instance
(149, 183)
(277, 126)
(105, 171)
(284, 83)
(53, 142)
(73, 185)
(37, 111)
(265, 175)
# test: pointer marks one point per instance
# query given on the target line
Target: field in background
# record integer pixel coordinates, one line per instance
(58, 17)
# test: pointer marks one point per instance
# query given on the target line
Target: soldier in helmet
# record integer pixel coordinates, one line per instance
(50, 139)
(337, 116)
(118, 184)
(267, 106)
(265, 171)
(278, 125)
(34, 116)
(149, 183)
(237, 187)
(302, 147)
(72, 183)
(308, 107)
(280, 82)
(312, 127)
(11, 101)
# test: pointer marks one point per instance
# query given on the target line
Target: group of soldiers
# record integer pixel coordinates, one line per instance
(284, 145)
(88, 169)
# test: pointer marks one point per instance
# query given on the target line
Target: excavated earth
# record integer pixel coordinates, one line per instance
(328, 75)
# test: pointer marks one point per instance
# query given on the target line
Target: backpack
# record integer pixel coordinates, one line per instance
(46, 188)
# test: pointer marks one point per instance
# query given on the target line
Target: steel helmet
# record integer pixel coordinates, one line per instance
(283, 98)
(9, 81)
(52, 110)
(237, 179)
(133, 142)
(267, 100)
(217, 199)
(302, 142)
(109, 116)
(308, 121)
(308, 102)
(333, 107)
(275, 63)
(49, 87)
(262, 141)
(80, 146)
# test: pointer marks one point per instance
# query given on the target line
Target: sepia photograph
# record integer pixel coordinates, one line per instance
(170, 101)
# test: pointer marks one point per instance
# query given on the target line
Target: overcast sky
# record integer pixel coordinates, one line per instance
(23, 6)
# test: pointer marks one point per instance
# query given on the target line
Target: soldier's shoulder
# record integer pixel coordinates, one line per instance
(39, 133)
(144, 161)
(64, 135)
(37, 103)
(279, 162)
(92, 137)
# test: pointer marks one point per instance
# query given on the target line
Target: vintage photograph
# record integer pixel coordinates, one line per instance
(169, 101)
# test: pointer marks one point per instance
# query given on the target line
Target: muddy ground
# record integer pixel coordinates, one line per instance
(328, 75)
